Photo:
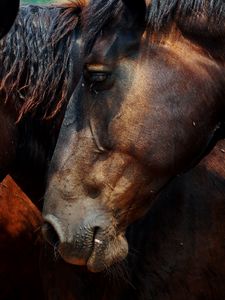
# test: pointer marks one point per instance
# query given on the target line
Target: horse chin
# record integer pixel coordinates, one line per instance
(72, 260)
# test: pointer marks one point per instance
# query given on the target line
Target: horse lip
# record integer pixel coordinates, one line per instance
(100, 242)
(67, 254)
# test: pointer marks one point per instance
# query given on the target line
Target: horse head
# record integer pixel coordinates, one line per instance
(149, 106)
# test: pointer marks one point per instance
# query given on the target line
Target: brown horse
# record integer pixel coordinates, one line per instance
(20, 245)
(8, 12)
(150, 106)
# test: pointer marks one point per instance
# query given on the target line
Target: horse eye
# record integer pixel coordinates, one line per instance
(96, 77)
(96, 73)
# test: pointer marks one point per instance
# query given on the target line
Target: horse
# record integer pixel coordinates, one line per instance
(8, 14)
(39, 61)
(134, 166)
(39, 70)
(20, 245)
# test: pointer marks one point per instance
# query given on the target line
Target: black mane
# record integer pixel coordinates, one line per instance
(35, 58)
(205, 15)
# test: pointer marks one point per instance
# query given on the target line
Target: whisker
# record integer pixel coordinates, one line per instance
(56, 252)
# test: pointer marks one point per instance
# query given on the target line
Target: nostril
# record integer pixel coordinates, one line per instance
(50, 234)
(93, 191)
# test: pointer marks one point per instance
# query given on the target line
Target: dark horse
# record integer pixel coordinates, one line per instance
(19, 246)
(39, 61)
(38, 67)
(136, 167)
(8, 12)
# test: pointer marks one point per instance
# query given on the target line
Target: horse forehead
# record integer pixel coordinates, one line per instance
(107, 48)
(111, 48)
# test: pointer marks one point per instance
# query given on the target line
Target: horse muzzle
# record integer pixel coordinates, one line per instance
(93, 243)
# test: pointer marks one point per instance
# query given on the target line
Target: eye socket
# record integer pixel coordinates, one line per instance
(97, 77)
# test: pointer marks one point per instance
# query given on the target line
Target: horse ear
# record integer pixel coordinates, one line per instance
(8, 13)
(137, 9)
